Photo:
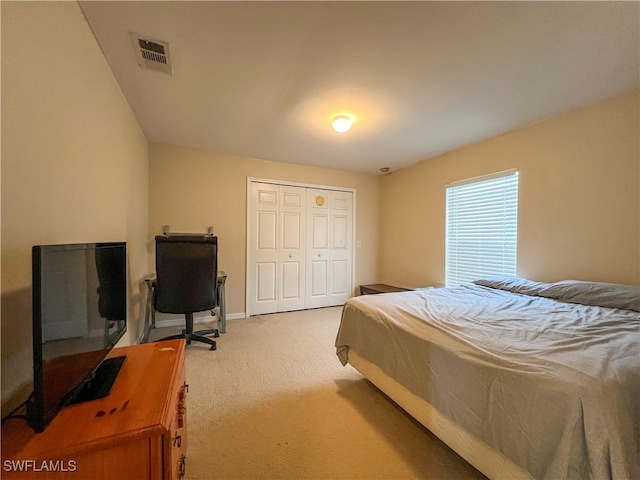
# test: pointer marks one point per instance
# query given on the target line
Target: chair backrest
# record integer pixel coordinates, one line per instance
(186, 274)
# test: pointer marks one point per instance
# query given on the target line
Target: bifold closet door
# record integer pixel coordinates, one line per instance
(341, 251)
(300, 248)
(329, 247)
(277, 243)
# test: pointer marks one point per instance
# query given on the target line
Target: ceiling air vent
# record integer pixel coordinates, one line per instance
(152, 54)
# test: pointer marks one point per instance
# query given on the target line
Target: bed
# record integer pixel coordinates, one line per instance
(523, 379)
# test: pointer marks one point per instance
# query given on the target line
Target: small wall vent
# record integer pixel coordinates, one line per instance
(152, 54)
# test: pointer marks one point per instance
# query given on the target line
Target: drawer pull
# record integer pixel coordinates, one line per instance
(177, 441)
(182, 466)
(183, 392)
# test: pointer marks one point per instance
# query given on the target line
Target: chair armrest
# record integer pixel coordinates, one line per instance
(151, 282)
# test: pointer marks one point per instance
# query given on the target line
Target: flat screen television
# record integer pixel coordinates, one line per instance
(79, 313)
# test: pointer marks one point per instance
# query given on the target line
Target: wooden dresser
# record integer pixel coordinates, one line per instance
(138, 432)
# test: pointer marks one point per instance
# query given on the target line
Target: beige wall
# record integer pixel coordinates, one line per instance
(191, 190)
(74, 165)
(579, 199)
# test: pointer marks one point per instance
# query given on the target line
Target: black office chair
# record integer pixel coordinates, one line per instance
(186, 281)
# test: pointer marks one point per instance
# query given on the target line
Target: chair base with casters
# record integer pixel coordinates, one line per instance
(187, 333)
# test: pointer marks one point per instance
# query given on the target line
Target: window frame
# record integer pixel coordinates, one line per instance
(494, 221)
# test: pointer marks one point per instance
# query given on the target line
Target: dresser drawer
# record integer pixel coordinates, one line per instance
(176, 442)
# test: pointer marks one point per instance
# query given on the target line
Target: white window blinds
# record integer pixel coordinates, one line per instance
(482, 227)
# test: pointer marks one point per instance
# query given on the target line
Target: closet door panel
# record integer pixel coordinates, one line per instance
(263, 248)
(339, 275)
(267, 227)
(290, 280)
(318, 280)
(340, 237)
(291, 232)
(340, 247)
(318, 229)
(266, 282)
(292, 249)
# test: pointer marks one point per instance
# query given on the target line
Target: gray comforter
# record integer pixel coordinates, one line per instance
(554, 386)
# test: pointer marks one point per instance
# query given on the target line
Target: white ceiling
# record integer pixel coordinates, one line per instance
(263, 79)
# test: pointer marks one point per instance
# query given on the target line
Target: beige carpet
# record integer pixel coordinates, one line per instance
(274, 402)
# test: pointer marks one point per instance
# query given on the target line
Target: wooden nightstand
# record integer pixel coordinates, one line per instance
(380, 288)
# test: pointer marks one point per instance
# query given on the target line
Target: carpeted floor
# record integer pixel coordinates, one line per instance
(274, 402)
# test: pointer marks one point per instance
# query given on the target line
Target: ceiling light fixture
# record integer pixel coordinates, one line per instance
(341, 123)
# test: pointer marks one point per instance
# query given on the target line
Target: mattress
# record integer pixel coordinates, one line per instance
(548, 384)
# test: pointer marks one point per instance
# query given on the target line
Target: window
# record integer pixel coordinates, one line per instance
(482, 227)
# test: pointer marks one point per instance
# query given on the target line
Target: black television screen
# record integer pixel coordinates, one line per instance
(79, 313)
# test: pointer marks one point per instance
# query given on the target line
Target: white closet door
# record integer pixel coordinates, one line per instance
(318, 223)
(300, 248)
(263, 248)
(340, 247)
(291, 291)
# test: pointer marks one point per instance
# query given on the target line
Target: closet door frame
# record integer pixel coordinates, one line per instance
(249, 227)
